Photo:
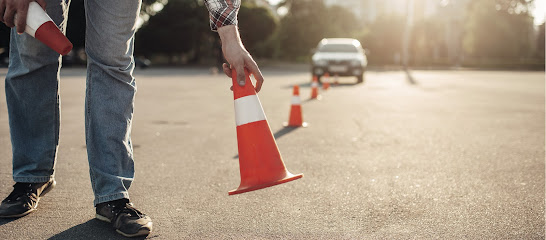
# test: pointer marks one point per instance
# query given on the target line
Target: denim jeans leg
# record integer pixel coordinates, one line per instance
(110, 94)
(32, 96)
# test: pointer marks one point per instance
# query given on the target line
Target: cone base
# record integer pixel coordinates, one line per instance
(289, 177)
(304, 124)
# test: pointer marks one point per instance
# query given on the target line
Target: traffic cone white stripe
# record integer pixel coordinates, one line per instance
(38, 18)
(314, 84)
(248, 109)
(296, 100)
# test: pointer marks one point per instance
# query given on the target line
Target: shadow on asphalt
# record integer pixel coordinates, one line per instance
(308, 85)
(410, 78)
(311, 99)
(6, 220)
(283, 131)
(92, 229)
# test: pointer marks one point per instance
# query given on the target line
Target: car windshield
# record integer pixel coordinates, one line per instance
(338, 48)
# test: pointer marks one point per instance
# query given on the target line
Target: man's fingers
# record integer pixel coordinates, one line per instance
(253, 67)
(226, 69)
(240, 75)
(258, 84)
(8, 16)
(21, 21)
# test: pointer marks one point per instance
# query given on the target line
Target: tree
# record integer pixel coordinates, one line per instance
(76, 24)
(540, 41)
(308, 21)
(514, 6)
(181, 29)
(427, 43)
(384, 39)
(498, 29)
(75, 29)
(256, 26)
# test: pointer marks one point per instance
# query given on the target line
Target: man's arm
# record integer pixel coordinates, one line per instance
(223, 19)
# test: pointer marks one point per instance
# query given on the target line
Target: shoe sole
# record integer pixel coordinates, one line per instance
(141, 232)
(44, 192)
(102, 218)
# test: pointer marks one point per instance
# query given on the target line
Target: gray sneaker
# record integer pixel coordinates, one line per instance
(24, 198)
(126, 219)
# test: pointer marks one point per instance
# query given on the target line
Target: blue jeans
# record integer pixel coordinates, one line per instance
(32, 95)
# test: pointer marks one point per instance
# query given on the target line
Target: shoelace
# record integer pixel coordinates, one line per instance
(126, 207)
(23, 189)
(132, 211)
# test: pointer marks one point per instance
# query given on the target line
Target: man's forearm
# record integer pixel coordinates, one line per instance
(229, 35)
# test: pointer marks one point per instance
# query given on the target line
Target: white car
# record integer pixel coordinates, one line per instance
(339, 56)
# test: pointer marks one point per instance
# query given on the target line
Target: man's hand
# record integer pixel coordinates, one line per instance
(8, 9)
(238, 57)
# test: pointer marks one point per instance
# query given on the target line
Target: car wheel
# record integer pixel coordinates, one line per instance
(360, 78)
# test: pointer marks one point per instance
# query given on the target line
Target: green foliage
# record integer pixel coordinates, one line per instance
(488, 29)
(76, 20)
(181, 32)
(384, 39)
(540, 42)
(148, 6)
(495, 31)
(75, 30)
(427, 43)
(513, 6)
(256, 26)
(308, 21)
(181, 29)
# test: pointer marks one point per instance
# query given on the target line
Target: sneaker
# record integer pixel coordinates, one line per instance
(126, 219)
(24, 198)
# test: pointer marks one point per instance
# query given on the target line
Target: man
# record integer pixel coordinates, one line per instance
(32, 95)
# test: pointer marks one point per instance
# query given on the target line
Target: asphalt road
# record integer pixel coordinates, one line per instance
(457, 155)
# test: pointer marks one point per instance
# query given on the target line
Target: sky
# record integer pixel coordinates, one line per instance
(538, 12)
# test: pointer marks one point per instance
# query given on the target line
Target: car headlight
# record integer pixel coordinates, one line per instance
(356, 63)
(320, 62)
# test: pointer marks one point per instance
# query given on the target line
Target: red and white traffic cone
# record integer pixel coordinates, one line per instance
(260, 161)
(296, 116)
(326, 81)
(41, 27)
(314, 88)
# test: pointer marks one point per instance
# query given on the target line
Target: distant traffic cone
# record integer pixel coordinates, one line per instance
(260, 161)
(41, 27)
(314, 88)
(326, 82)
(296, 119)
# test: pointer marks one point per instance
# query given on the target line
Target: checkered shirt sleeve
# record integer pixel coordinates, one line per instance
(222, 12)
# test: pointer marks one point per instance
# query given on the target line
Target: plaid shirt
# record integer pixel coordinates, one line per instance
(222, 12)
